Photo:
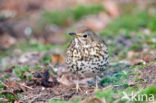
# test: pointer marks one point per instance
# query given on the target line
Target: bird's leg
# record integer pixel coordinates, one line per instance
(77, 86)
(96, 81)
(77, 83)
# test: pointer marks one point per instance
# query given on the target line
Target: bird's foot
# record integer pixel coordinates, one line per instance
(96, 87)
(78, 88)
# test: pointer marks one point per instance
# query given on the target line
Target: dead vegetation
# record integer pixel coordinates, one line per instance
(33, 40)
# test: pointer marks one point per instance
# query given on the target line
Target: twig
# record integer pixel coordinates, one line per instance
(25, 86)
(34, 98)
(3, 99)
(3, 84)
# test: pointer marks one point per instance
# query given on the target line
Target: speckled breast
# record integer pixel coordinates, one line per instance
(88, 61)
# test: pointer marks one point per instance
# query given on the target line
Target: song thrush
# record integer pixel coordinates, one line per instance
(87, 54)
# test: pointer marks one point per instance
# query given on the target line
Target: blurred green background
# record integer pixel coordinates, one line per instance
(127, 26)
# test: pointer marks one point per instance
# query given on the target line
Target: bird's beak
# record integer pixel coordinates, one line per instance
(74, 34)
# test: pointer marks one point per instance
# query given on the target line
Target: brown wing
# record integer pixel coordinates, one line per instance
(68, 48)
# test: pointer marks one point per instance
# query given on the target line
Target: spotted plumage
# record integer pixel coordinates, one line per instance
(87, 54)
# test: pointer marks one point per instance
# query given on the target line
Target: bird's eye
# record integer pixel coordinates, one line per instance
(85, 36)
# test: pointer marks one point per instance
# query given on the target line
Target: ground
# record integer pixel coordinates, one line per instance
(32, 61)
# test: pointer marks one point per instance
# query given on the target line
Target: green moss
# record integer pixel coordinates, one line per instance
(20, 70)
(62, 101)
(147, 93)
(27, 46)
(5, 52)
(141, 66)
(127, 24)
(149, 90)
(37, 67)
(114, 94)
(56, 17)
(81, 10)
(151, 25)
(130, 22)
(46, 60)
(119, 77)
(1, 87)
(107, 94)
(10, 97)
(61, 18)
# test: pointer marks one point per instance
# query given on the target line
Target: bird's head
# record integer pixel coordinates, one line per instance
(84, 36)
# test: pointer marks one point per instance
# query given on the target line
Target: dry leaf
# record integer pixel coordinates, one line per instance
(97, 23)
(12, 85)
(16, 101)
(64, 80)
(6, 40)
(112, 8)
(148, 58)
(57, 59)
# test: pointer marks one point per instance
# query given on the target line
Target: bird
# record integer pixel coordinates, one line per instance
(87, 54)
